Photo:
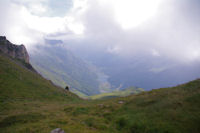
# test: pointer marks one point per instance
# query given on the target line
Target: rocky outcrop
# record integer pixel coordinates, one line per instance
(15, 51)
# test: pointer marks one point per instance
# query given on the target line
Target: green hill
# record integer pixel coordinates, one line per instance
(24, 93)
(20, 83)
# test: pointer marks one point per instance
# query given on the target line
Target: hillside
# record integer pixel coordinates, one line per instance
(24, 93)
(30, 103)
(20, 83)
(63, 68)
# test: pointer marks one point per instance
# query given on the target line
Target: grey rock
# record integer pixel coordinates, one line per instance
(120, 102)
(15, 51)
(57, 130)
(101, 105)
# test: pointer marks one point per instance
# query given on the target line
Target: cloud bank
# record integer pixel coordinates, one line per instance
(163, 28)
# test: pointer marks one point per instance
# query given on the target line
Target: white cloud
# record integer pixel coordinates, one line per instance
(21, 24)
(123, 27)
(38, 9)
(131, 13)
(170, 33)
(155, 52)
(158, 70)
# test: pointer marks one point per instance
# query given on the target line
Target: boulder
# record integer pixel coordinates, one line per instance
(120, 102)
(57, 130)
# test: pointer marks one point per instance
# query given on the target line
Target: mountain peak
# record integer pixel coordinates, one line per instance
(15, 51)
(2, 38)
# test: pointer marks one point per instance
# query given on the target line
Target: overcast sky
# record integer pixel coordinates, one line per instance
(160, 28)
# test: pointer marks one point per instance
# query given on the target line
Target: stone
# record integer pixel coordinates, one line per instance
(57, 130)
(15, 51)
(121, 102)
(101, 105)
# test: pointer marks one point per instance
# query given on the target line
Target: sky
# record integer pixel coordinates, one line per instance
(167, 29)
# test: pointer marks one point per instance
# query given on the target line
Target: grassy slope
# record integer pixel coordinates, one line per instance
(19, 83)
(25, 97)
(121, 93)
(31, 104)
(165, 110)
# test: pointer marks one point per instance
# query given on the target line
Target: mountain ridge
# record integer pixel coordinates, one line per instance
(63, 68)
(14, 51)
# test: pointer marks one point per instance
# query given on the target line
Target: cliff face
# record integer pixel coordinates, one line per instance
(15, 51)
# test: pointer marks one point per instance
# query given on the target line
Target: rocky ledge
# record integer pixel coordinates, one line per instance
(15, 51)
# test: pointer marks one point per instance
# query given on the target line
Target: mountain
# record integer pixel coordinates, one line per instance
(58, 64)
(15, 51)
(151, 72)
(19, 80)
(31, 104)
(145, 71)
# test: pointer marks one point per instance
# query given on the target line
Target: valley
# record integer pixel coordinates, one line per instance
(31, 104)
(99, 66)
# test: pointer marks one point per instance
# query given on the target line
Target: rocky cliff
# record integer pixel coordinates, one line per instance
(15, 51)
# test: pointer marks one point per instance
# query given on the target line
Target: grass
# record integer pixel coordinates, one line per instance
(120, 93)
(31, 104)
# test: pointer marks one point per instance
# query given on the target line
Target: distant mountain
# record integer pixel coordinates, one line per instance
(150, 72)
(145, 71)
(58, 64)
